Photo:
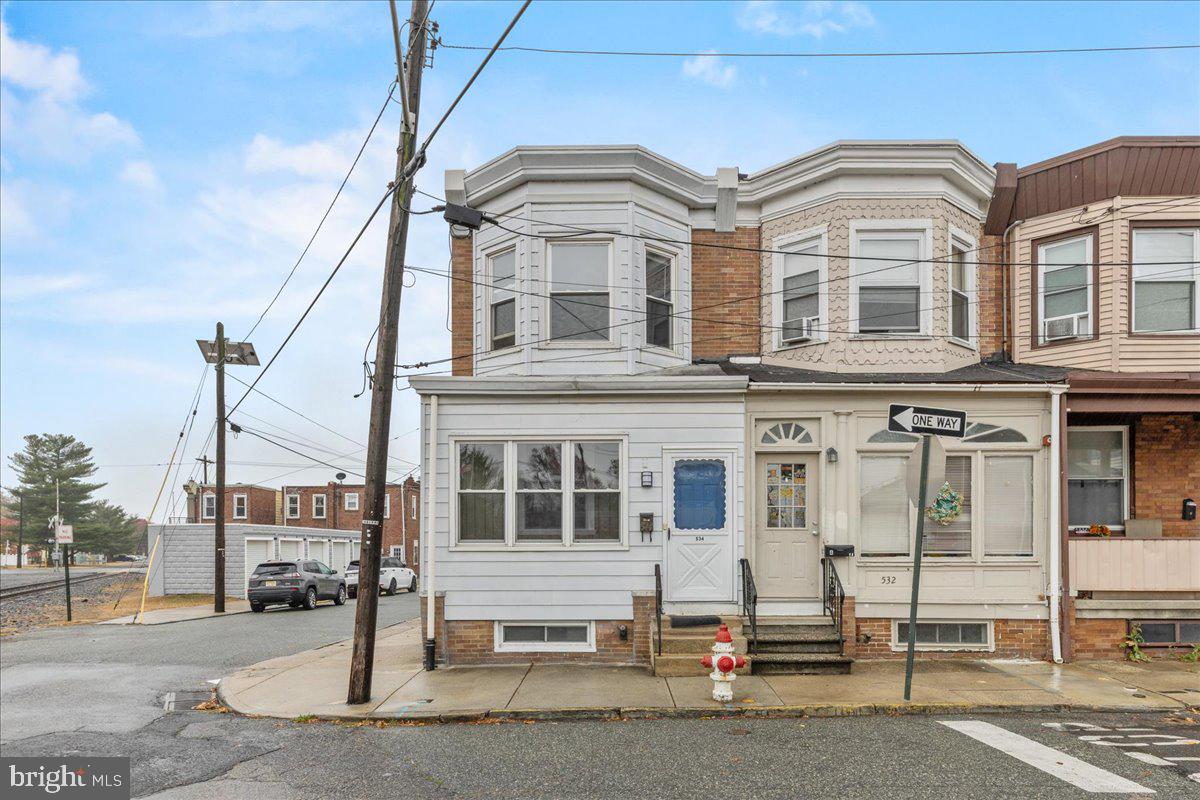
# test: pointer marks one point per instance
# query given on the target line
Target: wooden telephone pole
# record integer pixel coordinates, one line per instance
(219, 522)
(409, 77)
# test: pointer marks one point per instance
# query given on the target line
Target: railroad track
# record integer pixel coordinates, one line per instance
(49, 586)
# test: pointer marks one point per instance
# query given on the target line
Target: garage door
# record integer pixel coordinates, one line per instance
(319, 549)
(257, 551)
(341, 556)
(289, 549)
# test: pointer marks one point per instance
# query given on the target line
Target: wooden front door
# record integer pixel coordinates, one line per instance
(787, 543)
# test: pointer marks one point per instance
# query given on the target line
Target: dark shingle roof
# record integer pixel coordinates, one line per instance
(983, 372)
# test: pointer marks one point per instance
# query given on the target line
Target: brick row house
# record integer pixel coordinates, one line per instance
(332, 506)
(670, 396)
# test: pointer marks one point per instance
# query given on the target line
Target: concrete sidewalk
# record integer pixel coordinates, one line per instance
(313, 683)
(163, 616)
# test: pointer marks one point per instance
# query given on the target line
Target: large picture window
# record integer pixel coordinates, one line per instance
(1165, 294)
(1065, 288)
(502, 301)
(660, 307)
(1097, 474)
(888, 281)
(562, 492)
(579, 294)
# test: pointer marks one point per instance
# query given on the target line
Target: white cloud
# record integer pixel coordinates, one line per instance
(25, 287)
(227, 17)
(141, 175)
(710, 70)
(28, 209)
(316, 159)
(40, 105)
(817, 18)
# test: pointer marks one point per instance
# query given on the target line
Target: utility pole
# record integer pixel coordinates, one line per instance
(219, 523)
(205, 460)
(409, 78)
(20, 528)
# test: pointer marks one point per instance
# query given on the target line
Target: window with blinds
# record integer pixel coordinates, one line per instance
(1008, 506)
(883, 505)
(953, 539)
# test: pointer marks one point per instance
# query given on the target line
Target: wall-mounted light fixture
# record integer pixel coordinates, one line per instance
(647, 479)
(831, 455)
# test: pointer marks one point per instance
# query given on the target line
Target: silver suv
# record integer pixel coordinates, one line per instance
(299, 584)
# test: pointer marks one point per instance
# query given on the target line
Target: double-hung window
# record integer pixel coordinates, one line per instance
(209, 510)
(800, 290)
(318, 506)
(1097, 471)
(1065, 288)
(539, 492)
(352, 501)
(502, 301)
(579, 294)
(660, 307)
(239, 506)
(961, 286)
(293, 507)
(1166, 279)
(888, 274)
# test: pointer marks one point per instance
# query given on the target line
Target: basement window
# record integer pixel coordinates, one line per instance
(542, 637)
(1165, 633)
(947, 635)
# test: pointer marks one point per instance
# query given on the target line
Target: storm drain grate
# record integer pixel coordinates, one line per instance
(185, 700)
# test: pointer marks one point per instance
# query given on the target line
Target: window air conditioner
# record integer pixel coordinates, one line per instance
(1070, 327)
(804, 331)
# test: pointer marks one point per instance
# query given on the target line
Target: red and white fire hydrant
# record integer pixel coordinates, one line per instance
(723, 662)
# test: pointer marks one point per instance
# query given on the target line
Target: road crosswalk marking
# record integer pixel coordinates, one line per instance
(1067, 768)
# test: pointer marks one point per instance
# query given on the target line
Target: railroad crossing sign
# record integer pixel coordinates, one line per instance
(903, 418)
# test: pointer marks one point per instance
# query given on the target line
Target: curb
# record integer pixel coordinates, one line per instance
(812, 711)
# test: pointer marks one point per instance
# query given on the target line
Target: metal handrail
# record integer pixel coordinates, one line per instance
(749, 601)
(658, 606)
(833, 596)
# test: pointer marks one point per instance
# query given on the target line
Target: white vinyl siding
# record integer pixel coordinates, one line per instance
(1065, 288)
(1166, 296)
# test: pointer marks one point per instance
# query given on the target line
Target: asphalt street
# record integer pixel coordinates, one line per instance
(100, 689)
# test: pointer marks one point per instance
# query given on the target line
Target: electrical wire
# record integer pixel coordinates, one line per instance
(802, 54)
(239, 428)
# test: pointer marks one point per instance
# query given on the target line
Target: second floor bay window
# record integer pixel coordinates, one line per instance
(888, 279)
(1166, 279)
(502, 302)
(659, 305)
(579, 278)
(960, 288)
(1064, 294)
(801, 293)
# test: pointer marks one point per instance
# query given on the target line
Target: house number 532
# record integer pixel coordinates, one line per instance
(887, 580)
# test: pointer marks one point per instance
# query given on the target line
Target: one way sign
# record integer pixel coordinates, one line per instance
(920, 419)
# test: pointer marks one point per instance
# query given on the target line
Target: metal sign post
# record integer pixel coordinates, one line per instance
(64, 535)
(928, 422)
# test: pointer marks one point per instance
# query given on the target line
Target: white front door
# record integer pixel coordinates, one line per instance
(699, 525)
(787, 551)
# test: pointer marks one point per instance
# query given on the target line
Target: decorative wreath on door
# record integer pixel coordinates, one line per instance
(946, 507)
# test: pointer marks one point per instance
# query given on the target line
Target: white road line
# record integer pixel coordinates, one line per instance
(1146, 758)
(1053, 762)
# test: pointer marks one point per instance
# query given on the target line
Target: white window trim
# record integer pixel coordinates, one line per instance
(346, 501)
(1089, 307)
(608, 341)
(245, 506)
(288, 504)
(543, 647)
(510, 479)
(962, 239)
(978, 556)
(922, 227)
(987, 646)
(488, 255)
(396, 551)
(205, 513)
(820, 235)
(324, 506)
(1124, 429)
(673, 257)
(1134, 280)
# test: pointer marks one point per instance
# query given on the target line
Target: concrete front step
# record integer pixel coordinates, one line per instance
(677, 643)
(677, 665)
(734, 623)
(801, 664)
(798, 631)
(792, 644)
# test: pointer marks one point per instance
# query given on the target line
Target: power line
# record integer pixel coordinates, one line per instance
(325, 216)
(802, 54)
(258, 435)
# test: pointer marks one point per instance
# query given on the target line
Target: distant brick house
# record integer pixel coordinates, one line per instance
(244, 502)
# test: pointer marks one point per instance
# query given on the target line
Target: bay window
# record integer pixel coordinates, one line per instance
(561, 492)
(801, 294)
(1165, 294)
(579, 294)
(660, 307)
(502, 301)
(1065, 288)
(1097, 472)
(961, 286)
(888, 281)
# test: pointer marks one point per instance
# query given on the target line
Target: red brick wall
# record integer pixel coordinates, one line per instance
(1015, 638)
(991, 294)
(1093, 639)
(1166, 468)
(719, 275)
(401, 519)
(462, 306)
(260, 504)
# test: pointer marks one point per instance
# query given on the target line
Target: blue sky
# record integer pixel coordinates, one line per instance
(162, 165)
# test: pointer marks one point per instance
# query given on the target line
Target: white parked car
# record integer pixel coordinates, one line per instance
(394, 575)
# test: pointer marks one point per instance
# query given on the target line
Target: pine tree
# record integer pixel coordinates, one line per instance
(106, 529)
(48, 458)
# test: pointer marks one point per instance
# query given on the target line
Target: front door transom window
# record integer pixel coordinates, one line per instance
(787, 495)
